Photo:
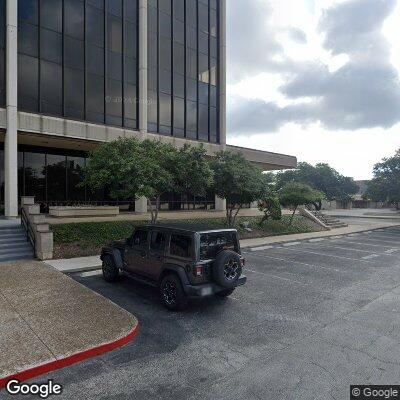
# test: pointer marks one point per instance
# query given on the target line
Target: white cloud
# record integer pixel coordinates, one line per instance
(324, 72)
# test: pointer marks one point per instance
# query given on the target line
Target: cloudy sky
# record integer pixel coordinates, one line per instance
(318, 79)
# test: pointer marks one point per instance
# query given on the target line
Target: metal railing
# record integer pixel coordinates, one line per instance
(30, 233)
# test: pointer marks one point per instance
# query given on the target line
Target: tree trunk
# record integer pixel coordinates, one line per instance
(229, 216)
(150, 207)
(291, 218)
(157, 209)
(236, 213)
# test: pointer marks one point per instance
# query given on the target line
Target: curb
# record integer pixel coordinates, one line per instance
(70, 360)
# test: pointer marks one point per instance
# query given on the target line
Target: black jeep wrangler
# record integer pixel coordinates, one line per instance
(184, 263)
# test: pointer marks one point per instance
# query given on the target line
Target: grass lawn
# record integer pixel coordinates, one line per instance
(86, 239)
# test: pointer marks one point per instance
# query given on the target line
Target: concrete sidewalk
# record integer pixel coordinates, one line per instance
(69, 265)
(49, 321)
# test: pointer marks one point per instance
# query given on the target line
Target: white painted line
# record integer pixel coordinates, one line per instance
(261, 248)
(351, 249)
(370, 256)
(390, 251)
(91, 273)
(335, 237)
(303, 263)
(327, 255)
(353, 234)
(276, 277)
(365, 244)
(380, 240)
(316, 240)
(290, 244)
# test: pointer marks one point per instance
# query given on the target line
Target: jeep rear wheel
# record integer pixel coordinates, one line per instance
(227, 269)
(172, 294)
(110, 271)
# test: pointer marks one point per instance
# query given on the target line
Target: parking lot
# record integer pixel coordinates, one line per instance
(314, 317)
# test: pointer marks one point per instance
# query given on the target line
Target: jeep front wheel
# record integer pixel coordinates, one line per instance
(172, 294)
(110, 271)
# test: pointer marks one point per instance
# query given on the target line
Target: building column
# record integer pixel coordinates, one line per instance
(222, 72)
(143, 66)
(220, 204)
(10, 142)
(141, 205)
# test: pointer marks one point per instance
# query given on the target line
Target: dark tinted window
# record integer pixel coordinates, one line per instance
(28, 11)
(73, 93)
(73, 53)
(213, 243)
(28, 39)
(51, 14)
(95, 26)
(51, 45)
(181, 246)
(74, 13)
(114, 34)
(158, 241)
(28, 81)
(95, 60)
(51, 82)
(56, 177)
(95, 93)
(139, 238)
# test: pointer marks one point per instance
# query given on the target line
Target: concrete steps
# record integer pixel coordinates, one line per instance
(332, 222)
(14, 245)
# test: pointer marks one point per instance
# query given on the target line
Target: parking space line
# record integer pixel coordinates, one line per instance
(362, 251)
(303, 263)
(261, 248)
(90, 273)
(379, 240)
(369, 244)
(370, 256)
(326, 255)
(382, 235)
(277, 277)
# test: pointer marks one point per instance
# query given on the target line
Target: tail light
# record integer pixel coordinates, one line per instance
(198, 270)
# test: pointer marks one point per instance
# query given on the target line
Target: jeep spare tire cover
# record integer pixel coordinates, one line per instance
(227, 269)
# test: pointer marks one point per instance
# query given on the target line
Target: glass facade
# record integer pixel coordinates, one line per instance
(183, 68)
(2, 53)
(78, 59)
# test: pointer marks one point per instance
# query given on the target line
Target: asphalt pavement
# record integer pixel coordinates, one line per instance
(314, 317)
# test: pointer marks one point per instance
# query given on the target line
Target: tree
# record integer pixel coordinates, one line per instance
(237, 181)
(191, 171)
(295, 194)
(131, 169)
(385, 185)
(117, 166)
(271, 207)
(322, 177)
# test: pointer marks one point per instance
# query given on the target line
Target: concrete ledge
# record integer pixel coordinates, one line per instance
(73, 212)
(50, 321)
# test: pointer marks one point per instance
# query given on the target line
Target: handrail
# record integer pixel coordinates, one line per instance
(30, 233)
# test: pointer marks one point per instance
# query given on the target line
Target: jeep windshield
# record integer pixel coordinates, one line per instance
(214, 242)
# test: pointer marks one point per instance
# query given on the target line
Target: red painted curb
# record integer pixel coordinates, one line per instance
(75, 358)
